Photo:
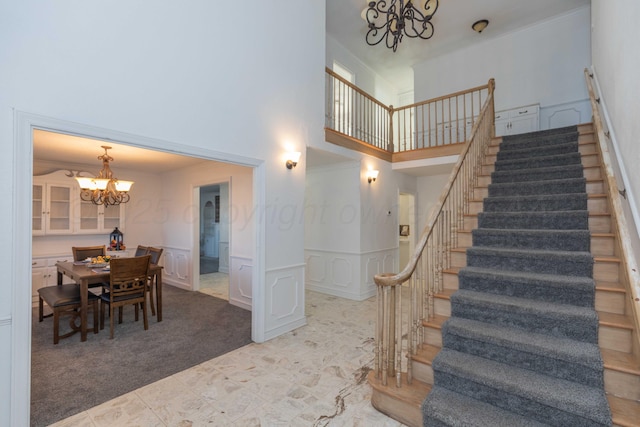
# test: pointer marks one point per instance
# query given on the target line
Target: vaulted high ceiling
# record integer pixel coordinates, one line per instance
(452, 22)
(344, 24)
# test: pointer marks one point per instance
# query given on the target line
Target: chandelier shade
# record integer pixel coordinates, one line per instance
(104, 189)
(390, 20)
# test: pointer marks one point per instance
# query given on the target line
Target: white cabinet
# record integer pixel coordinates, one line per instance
(52, 208)
(518, 120)
(98, 219)
(44, 273)
(58, 209)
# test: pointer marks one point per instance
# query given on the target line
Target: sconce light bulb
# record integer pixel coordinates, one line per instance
(292, 159)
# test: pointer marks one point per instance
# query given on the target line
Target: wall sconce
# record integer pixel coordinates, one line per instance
(292, 159)
(480, 25)
(372, 174)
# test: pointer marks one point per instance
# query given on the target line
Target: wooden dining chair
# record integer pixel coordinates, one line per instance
(127, 286)
(65, 299)
(155, 253)
(80, 253)
(141, 250)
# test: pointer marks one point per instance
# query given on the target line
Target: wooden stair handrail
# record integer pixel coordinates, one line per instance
(432, 255)
(630, 265)
(392, 280)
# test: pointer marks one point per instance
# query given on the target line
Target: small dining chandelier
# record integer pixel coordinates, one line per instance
(104, 189)
(390, 20)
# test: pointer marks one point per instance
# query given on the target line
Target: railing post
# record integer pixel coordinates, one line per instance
(390, 147)
(492, 86)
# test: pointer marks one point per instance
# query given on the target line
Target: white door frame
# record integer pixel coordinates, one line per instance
(24, 124)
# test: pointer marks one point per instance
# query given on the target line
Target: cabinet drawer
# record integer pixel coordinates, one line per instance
(523, 111)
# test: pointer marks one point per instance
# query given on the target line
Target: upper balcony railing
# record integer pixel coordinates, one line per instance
(438, 122)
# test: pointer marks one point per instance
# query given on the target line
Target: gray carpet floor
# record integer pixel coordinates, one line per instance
(74, 376)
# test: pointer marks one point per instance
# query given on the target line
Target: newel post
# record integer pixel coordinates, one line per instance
(385, 334)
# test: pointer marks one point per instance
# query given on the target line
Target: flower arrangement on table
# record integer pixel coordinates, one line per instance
(101, 259)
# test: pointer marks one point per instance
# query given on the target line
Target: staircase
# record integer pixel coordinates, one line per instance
(532, 327)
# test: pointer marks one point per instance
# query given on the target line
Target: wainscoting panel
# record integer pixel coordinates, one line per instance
(177, 267)
(223, 263)
(284, 295)
(560, 115)
(383, 261)
(240, 282)
(342, 272)
(347, 275)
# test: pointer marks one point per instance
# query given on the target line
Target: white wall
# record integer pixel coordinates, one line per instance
(180, 213)
(351, 226)
(616, 59)
(180, 76)
(541, 64)
(365, 78)
(429, 190)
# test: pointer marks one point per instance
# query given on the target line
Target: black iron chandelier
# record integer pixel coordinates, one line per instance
(104, 189)
(390, 20)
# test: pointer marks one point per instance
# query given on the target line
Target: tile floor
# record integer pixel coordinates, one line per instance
(215, 284)
(313, 376)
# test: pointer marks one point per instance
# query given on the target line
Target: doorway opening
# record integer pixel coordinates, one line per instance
(214, 240)
(151, 211)
(406, 228)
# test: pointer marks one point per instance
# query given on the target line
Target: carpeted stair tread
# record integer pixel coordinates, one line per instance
(556, 220)
(536, 203)
(539, 162)
(538, 174)
(542, 397)
(532, 260)
(530, 188)
(444, 407)
(538, 141)
(563, 240)
(559, 320)
(523, 330)
(567, 359)
(540, 133)
(534, 152)
(560, 289)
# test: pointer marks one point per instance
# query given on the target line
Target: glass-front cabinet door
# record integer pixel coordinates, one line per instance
(89, 217)
(98, 218)
(111, 217)
(58, 217)
(37, 209)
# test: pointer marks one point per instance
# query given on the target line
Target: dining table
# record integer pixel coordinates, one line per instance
(85, 274)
